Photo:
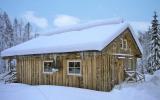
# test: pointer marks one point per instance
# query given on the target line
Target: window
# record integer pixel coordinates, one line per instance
(123, 44)
(49, 66)
(74, 67)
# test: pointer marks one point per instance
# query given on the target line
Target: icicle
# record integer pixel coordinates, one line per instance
(55, 69)
(7, 65)
(55, 57)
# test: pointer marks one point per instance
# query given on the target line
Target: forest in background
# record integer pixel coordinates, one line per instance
(150, 41)
(12, 33)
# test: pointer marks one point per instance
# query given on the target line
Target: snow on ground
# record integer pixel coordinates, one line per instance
(148, 90)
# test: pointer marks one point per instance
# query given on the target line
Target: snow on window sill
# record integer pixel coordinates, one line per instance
(53, 71)
(72, 74)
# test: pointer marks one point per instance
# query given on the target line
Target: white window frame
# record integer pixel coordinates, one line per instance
(43, 67)
(79, 74)
(126, 44)
(122, 42)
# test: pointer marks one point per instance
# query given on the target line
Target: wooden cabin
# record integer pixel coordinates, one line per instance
(92, 56)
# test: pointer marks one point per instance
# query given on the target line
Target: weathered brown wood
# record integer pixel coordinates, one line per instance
(94, 71)
(18, 70)
(23, 76)
(99, 70)
(24, 71)
(89, 75)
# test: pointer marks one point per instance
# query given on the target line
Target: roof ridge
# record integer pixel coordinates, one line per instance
(91, 24)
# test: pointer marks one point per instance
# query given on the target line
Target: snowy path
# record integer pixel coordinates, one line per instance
(149, 90)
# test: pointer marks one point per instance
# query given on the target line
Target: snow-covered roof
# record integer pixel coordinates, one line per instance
(90, 36)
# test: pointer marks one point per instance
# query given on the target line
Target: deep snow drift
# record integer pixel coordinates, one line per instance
(148, 90)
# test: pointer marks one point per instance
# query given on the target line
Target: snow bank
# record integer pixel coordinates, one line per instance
(149, 90)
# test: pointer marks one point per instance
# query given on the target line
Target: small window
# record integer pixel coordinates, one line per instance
(48, 66)
(74, 67)
(123, 44)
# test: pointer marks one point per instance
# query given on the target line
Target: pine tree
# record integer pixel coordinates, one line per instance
(12, 35)
(145, 39)
(1, 32)
(154, 58)
(20, 31)
(8, 32)
(1, 40)
(6, 35)
(15, 31)
(27, 32)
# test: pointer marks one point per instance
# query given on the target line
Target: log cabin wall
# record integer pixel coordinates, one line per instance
(30, 70)
(99, 70)
(95, 71)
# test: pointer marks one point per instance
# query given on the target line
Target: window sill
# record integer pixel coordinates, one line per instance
(49, 72)
(78, 75)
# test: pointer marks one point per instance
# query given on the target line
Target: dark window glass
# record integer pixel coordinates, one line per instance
(48, 66)
(71, 70)
(77, 64)
(71, 64)
(74, 67)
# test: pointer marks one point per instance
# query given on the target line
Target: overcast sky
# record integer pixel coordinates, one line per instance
(49, 14)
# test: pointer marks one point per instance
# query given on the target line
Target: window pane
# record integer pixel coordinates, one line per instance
(77, 70)
(71, 64)
(48, 66)
(71, 70)
(77, 64)
(125, 44)
(46, 69)
(74, 67)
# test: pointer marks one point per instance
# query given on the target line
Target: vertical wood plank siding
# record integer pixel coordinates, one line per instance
(99, 70)
(30, 71)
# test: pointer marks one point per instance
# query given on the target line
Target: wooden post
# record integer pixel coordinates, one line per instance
(7, 66)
